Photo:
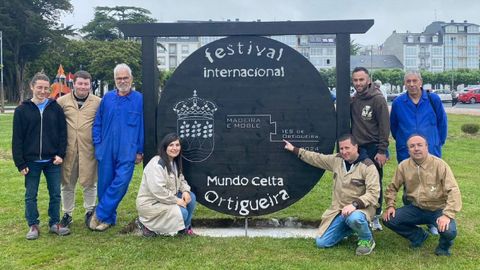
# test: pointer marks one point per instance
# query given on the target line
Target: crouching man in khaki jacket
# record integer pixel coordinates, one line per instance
(434, 195)
(355, 194)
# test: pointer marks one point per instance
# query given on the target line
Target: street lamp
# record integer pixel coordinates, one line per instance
(452, 39)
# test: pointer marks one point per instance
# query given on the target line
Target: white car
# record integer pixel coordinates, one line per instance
(445, 95)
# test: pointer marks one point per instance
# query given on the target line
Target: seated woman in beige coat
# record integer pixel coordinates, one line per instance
(165, 203)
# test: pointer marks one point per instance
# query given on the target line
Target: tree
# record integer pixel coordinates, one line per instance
(164, 77)
(329, 76)
(29, 27)
(104, 25)
(109, 54)
(428, 77)
(354, 47)
(97, 57)
(392, 76)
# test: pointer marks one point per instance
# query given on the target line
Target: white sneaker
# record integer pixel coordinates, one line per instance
(59, 229)
(33, 232)
(376, 226)
(102, 227)
(94, 222)
(432, 229)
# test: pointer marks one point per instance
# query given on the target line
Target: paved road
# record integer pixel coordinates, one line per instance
(471, 109)
(464, 106)
(462, 110)
(459, 108)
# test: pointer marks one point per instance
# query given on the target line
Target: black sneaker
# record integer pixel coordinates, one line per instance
(145, 231)
(66, 220)
(88, 216)
(418, 244)
(442, 252)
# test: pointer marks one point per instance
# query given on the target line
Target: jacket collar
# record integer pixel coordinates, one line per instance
(128, 96)
(161, 162)
(405, 97)
(29, 101)
(424, 164)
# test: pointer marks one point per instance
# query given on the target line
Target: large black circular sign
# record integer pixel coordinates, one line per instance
(233, 102)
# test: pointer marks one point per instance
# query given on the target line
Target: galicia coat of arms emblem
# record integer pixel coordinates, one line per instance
(195, 126)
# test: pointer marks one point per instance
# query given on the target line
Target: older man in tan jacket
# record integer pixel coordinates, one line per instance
(355, 194)
(434, 195)
(79, 164)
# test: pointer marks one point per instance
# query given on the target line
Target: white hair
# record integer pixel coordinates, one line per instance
(414, 73)
(122, 66)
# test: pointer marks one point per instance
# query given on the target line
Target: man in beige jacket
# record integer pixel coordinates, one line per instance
(79, 164)
(355, 194)
(434, 193)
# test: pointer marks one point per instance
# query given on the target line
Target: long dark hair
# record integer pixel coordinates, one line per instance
(162, 152)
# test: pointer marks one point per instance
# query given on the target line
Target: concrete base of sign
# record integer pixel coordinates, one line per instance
(257, 232)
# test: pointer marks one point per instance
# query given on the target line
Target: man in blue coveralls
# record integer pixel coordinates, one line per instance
(118, 138)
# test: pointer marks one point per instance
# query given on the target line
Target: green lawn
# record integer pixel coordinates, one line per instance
(92, 250)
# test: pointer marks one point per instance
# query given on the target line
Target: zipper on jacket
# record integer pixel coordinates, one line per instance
(41, 134)
(41, 129)
(419, 182)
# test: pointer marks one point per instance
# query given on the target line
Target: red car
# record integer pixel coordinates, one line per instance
(471, 96)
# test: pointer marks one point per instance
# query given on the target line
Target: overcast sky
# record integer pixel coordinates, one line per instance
(402, 16)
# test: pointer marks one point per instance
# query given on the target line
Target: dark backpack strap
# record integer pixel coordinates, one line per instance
(431, 103)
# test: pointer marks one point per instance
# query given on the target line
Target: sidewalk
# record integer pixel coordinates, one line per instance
(455, 110)
(257, 232)
(448, 109)
(10, 109)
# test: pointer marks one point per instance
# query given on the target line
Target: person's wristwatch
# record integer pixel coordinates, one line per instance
(355, 204)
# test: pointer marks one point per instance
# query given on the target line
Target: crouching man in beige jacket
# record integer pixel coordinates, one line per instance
(355, 194)
(434, 195)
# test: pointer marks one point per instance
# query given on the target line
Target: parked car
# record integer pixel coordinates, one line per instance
(392, 96)
(444, 94)
(471, 96)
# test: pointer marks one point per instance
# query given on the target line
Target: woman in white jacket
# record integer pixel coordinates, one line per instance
(165, 203)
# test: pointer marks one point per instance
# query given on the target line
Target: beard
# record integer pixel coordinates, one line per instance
(124, 87)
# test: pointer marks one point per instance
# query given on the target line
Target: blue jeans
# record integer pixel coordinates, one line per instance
(32, 181)
(342, 227)
(187, 212)
(371, 151)
(409, 216)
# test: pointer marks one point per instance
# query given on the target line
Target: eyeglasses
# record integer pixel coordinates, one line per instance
(122, 79)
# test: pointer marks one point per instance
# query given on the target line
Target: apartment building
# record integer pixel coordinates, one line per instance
(171, 51)
(461, 43)
(442, 46)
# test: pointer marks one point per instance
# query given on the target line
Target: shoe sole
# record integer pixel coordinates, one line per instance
(442, 253)
(33, 237)
(362, 254)
(63, 234)
(101, 229)
(58, 233)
